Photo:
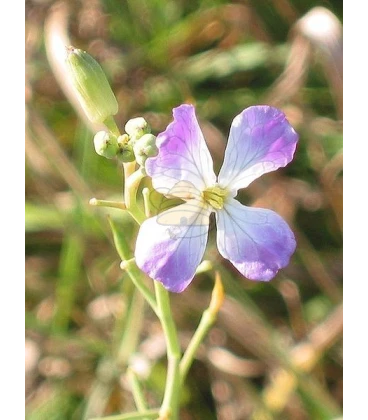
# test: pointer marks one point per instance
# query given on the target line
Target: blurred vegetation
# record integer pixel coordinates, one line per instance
(276, 349)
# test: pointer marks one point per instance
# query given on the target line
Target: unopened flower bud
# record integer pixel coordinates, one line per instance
(90, 83)
(126, 153)
(106, 144)
(136, 128)
(145, 147)
(123, 140)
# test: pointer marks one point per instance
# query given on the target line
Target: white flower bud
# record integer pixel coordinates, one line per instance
(106, 144)
(145, 147)
(136, 128)
(126, 153)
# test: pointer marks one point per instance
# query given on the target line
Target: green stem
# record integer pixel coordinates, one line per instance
(137, 391)
(208, 319)
(111, 126)
(149, 414)
(161, 305)
(170, 405)
(132, 179)
(136, 276)
(128, 169)
(132, 328)
(129, 266)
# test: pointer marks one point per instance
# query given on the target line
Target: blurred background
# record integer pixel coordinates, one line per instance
(275, 351)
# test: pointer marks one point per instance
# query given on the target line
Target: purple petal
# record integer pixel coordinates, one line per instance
(183, 154)
(171, 245)
(260, 141)
(258, 242)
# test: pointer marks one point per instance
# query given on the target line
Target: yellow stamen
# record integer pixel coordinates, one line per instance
(215, 196)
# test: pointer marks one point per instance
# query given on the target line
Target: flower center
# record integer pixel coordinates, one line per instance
(215, 196)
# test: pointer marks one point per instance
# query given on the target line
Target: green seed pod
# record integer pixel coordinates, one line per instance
(145, 147)
(89, 81)
(136, 128)
(106, 144)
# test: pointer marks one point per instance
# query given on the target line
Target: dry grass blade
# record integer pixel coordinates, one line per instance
(318, 32)
(52, 150)
(304, 357)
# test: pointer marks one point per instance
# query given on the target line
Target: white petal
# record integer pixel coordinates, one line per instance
(171, 245)
(260, 140)
(183, 154)
(257, 241)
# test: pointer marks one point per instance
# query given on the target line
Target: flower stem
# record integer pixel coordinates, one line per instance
(208, 319)
(132, 328)
(136, 276)
(111, 126)
(170, 405)
(132, 179)
(129, 266)
(137, 391)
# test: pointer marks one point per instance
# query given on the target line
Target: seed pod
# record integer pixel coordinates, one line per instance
(90, 83)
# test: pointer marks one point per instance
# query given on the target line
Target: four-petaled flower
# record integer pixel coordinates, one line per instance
(258, 242)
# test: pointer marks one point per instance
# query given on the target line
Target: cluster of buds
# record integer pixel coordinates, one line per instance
(137, 144)
(99, 103)
(110, 146)
(141, 140)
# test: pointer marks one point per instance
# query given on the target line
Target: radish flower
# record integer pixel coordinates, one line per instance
(258, 242)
